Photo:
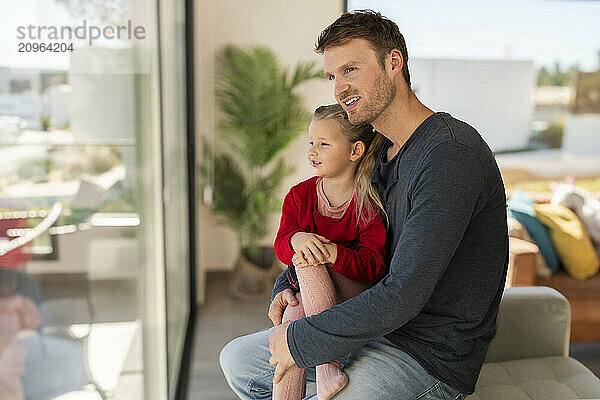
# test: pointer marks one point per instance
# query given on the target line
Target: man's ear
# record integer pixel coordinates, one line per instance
(395, 61)
(358, 150)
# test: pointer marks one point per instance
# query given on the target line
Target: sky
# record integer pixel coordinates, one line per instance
(15, 13)
(22, 13)
(544, 31)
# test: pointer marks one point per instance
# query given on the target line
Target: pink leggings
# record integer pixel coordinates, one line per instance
(320, 289)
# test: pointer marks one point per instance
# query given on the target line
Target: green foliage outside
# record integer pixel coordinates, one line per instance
(119, 199)
(37, 170)
(103, 158)
(261, 115)
(556, 76)
(552, 136)
(45, 121)
(78, 216)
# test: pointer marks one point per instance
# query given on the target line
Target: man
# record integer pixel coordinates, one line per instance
(16, 313)
(423, 331)
(33, 366)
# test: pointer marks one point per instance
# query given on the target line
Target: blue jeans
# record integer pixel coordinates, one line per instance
(53, 366)
(378, 370)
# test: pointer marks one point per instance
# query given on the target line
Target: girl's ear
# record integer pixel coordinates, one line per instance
(358, 150)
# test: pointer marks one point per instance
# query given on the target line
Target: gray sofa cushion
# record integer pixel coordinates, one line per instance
(532, 322)
(543, 378)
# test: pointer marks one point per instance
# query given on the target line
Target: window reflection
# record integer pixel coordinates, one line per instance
(81, 208)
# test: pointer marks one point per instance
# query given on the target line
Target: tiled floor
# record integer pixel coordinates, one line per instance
(223, 318)
(588, 354)
(116, 334)
(220, 320)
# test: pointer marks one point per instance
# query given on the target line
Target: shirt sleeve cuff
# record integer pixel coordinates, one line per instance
(340, 259)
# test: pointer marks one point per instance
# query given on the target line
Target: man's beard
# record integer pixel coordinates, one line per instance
(380, 97)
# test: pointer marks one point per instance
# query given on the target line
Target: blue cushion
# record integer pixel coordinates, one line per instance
(519, 201)
(520, 207)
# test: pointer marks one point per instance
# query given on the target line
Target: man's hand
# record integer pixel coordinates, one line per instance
(311, 246)
(24, 308)
(280, 353)
(16, 313)
(280, 302)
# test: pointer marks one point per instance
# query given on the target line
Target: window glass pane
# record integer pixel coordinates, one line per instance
(526, 80)
(172, 19)
(87, 178)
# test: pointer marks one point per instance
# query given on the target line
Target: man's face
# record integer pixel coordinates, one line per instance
(361, 86)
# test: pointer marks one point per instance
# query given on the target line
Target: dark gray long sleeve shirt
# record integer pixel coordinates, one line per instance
(448, 256)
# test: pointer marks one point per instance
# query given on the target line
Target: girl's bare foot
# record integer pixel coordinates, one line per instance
(330, 380)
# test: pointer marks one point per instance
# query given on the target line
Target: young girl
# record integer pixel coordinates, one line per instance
(332, 232)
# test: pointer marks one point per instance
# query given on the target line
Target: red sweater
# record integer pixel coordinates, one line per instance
(299, 214)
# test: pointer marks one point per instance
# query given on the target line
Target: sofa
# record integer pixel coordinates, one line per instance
(583, 295)
(581, 284)
(528, 358)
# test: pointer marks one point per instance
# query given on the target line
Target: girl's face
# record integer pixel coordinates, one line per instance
(329, 153)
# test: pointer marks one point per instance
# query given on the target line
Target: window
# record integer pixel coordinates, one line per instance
(522, 73)
(93, 197)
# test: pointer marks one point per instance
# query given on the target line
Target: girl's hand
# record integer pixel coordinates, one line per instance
(311, 246)
(299, 261)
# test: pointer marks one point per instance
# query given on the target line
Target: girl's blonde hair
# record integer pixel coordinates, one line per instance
(367, 202)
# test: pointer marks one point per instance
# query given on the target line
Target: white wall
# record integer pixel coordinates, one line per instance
(102, 101)
(58, 100)
(582, 135)
(288, 28)
(494, 96)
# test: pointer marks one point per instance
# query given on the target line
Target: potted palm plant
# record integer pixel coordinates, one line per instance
(261, 113)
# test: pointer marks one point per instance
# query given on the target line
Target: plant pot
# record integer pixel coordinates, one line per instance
(252, 282)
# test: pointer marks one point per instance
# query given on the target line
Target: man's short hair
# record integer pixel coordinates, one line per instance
(381, 32)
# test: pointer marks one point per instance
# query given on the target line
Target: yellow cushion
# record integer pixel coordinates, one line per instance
(570, 239)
